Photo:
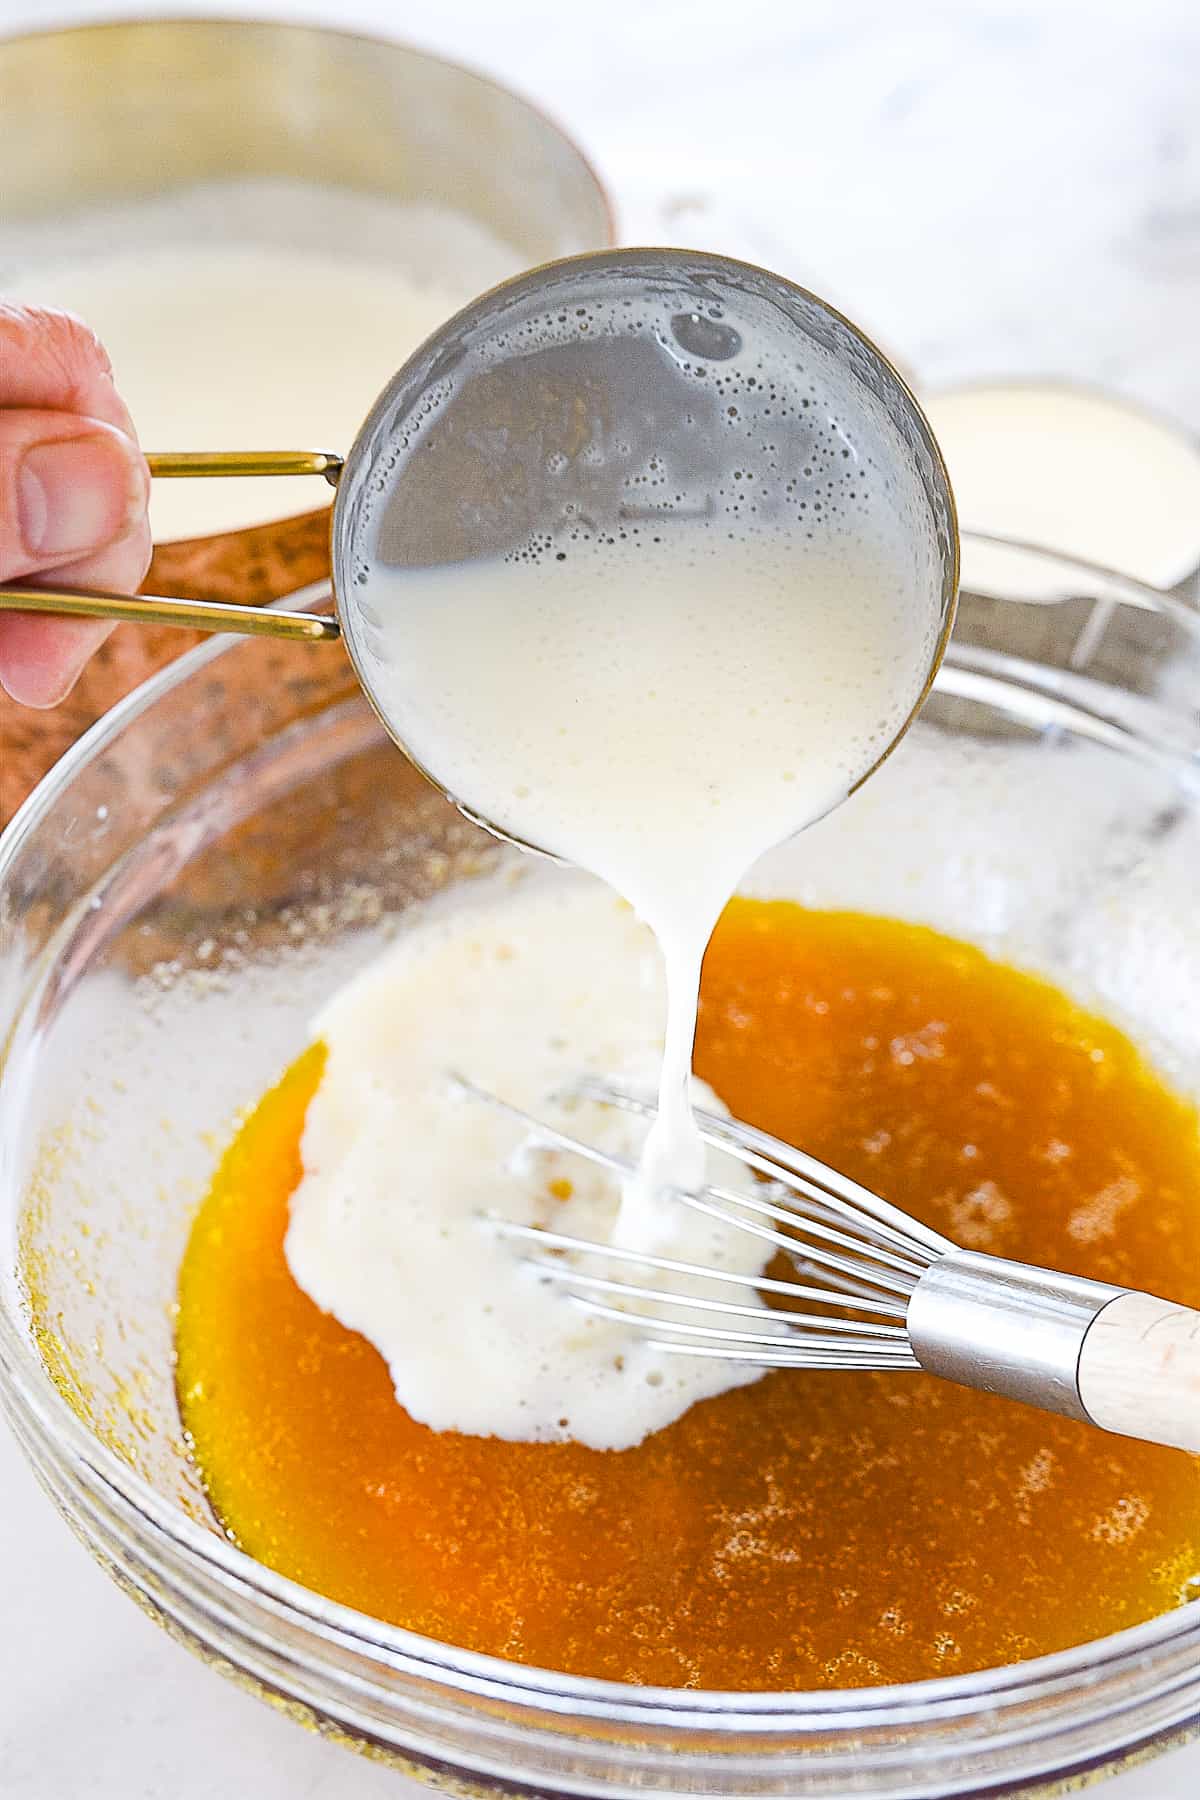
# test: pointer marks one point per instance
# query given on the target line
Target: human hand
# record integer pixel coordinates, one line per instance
(74, 489)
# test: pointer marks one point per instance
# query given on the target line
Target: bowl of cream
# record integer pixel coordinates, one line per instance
(261, 221)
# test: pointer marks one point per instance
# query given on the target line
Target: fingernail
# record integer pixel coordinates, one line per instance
(75, 494)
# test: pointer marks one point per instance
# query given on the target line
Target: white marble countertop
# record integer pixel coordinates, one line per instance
(998, 188)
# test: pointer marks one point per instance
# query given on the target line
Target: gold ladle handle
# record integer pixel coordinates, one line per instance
(196, 615)
(219, 463)
(160, 609)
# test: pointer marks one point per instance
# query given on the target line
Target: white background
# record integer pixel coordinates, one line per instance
(1005, 188)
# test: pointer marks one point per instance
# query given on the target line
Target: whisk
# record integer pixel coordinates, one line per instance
(894, 1294)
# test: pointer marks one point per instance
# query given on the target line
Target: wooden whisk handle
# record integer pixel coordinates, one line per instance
(1139, 1370)
(1125, 1361)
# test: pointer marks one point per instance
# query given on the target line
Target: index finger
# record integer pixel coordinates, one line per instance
(51, 361)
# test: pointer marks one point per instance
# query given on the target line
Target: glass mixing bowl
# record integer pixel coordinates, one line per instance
(235, 839)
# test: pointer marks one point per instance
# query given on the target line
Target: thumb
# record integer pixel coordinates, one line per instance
(69, 486)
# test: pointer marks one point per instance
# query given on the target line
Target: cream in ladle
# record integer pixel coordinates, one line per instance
(653, 566)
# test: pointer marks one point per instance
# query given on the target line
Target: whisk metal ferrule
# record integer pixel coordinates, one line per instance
(1006, 1328)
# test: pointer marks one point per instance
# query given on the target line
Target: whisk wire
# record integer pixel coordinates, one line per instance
(761, 1284)
(855, 1267)
(800, 1223)
(771, 1157)
(767, 1339)
(820, 1361)
(724, 1308)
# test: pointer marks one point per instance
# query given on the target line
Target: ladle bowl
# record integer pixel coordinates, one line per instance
(592, 394)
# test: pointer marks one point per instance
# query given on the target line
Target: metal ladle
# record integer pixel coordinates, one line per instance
(619, 390)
